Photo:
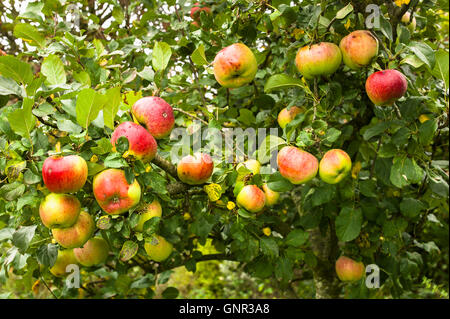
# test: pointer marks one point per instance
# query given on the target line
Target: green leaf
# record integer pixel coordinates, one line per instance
(22, 121)
(12, 191)
(104, 223)
(281, 81)
(246, 117)
(103, 146)
(405, 171)
(111, 108)
(161, 56)
(376, 130)
(89, 104)
(267, 146)
(348, 223)
(147, 74)
(198, 56)
(9, 86)
(411, 207)
(278, 183)
(269, 247)
(128, 251)
(53, 69)
(170, 293)
(47, 254)
(440, 70)
(297, 237)
(15, 69)
(29, 34)
(426, 131)
(23, 236)
(424, 53)
(345, 11)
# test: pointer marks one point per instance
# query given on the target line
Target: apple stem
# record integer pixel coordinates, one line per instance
(398, 111)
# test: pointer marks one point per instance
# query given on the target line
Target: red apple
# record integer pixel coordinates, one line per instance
(59, 210)
(155, 114)
(385, 87)
(195, 170)
(235, 66)
(296, 165)
(141, 143)
(113, 193)
(94, 252)
(359, 48)
(64, 174)
(195, 13)
(319, 59)
(76, 235)
(334, 166)
(252, 198)
(348, 269)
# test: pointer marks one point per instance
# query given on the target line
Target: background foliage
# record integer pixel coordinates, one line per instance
(60, 83)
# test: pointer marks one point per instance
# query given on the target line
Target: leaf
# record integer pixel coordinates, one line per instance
(323, 194)
(198, 56)
(111, 108)
(348, 223)
(426, 131)
(411, 207)
(278, 183)
(269, 247)
(128, 251)
(23, 236)
(143, 282)
(297, 237)
(103, 146)
(30, 34)
(170, 293)
(424, 53)
(53, 69)
(147, 74)
(22, 121)
(214, 191)
(268, 146)
(440, 69)
(385, 27)
(405, 171)
(281, 81)
(375, 130)
(9, 86)
(12, 191)
(161, 56)
(345, 11)
(89, 104)
(47, 254)
(15, 69)
(104, 223)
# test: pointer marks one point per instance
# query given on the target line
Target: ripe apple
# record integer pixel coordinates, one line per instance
(195, 170)
(113, 193)
(406, 20)
(271, 196)
(155, 114)
(141, 143)
(385, 87)
(251, 198)
(358, 49)
(319, 59)
(195, 13)
(65, 257)
(151, 210)
(64, 174)
(77, 234)
(334, 166)
(348, 269)
(94, 252)
(235, 66)
(59, 210)
(287, 115)
(158, 249)
(296, 165)
(253, 165)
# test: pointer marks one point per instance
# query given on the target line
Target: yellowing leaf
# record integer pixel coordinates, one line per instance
(231, 205)
(399, 3)
(214, 191)
(355, 170)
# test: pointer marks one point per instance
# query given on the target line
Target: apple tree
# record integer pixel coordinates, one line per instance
(72, 72)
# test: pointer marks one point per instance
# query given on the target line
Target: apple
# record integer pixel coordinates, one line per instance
(94, 252)
(253, 165)
(155, 114)
(151, 210)
(286, 115)
(113, 193)
(296, 165)
(406, 19)
(195, 170)
(142, 144)
(252, 198)
(76, 235)
(195, 13)
(64, 174)
(158, 248)
(65, 257)
(386, 86)
(348, 269)
(235, 66)
(271, 196)
(319, 59)
(334, 166)
(59, 210)
(358, 49)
